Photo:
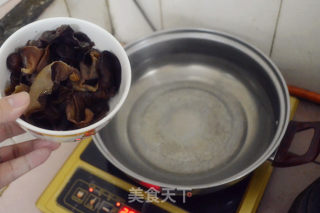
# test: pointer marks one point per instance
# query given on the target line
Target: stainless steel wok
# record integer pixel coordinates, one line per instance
(204, 110)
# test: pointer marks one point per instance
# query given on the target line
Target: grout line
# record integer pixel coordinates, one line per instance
(161, 14)
(144, 15)
(112, 30)
(68, 8)
(276, 28)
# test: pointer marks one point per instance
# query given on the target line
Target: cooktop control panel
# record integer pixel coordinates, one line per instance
(86, 192)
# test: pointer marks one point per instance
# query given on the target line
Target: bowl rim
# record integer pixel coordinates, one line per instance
(126, 83)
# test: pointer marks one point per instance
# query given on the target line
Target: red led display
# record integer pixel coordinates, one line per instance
(126, 209)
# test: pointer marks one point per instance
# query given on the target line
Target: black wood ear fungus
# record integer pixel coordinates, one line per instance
(70, 83)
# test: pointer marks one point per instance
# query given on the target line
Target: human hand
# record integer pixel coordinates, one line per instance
(18, 159)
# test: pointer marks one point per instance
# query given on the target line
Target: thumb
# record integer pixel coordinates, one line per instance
(12, 107)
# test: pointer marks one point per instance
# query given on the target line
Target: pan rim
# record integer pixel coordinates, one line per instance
(284, 109)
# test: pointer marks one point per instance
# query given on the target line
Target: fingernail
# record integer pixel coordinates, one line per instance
(18, 100)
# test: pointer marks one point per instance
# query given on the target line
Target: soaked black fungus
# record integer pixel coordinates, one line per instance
(77, 80)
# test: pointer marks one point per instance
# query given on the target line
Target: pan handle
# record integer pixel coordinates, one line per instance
(284, 158)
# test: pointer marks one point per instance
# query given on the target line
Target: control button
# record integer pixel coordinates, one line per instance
(105, 207)
(92, 202)
(79, 195)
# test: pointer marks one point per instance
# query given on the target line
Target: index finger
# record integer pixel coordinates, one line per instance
(11, 170)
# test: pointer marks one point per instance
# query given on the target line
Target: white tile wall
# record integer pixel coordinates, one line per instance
(252, 20)
(94, 11)
(56, 8)
(297, 43)
(296, 47)
(153, 11)
(128, 23)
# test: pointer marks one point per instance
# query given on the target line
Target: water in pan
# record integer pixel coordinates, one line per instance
(191, 118)
(186, 127)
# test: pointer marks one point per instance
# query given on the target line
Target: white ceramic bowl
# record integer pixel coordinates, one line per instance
(103, 41)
